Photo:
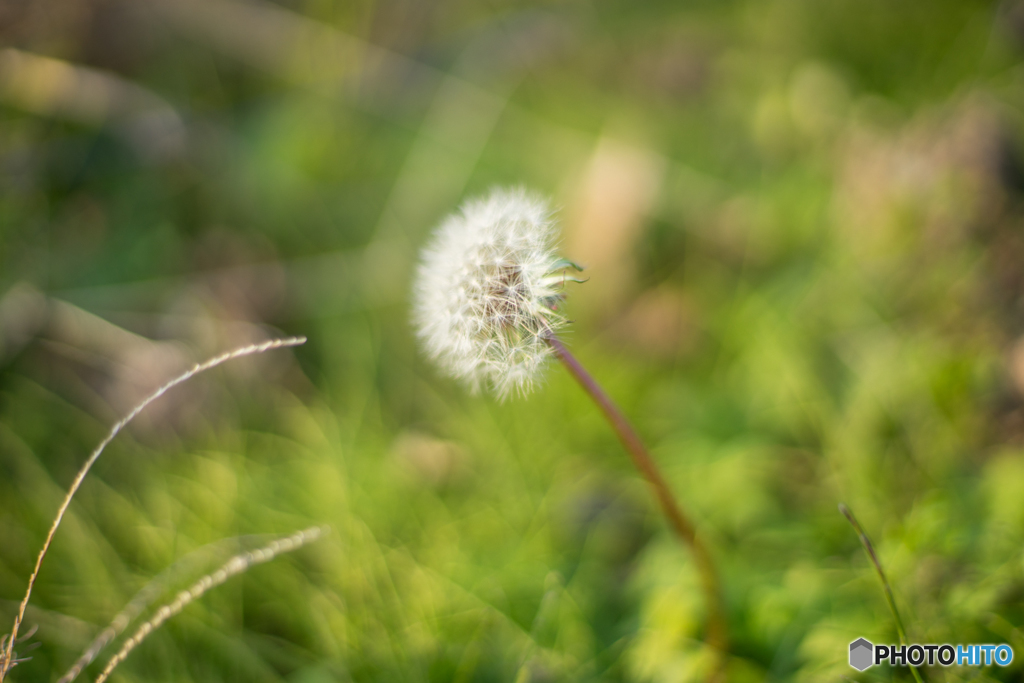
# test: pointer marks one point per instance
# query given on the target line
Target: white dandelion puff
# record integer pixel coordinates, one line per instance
(486, 308)
(487, 291)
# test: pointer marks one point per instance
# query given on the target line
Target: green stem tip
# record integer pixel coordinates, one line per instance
(886, 588)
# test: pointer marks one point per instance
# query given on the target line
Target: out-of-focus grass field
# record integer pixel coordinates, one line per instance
(804, 230)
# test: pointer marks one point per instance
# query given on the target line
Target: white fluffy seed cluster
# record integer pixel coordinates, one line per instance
(486, 291)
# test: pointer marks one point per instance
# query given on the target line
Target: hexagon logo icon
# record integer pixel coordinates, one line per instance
(861, 654)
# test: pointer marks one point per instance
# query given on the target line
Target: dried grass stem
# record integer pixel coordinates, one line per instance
(236, 565)
(7, 660)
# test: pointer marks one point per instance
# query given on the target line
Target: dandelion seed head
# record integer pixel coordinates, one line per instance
(486, 291)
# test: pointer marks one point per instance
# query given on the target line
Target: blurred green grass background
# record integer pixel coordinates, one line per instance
(802, 223)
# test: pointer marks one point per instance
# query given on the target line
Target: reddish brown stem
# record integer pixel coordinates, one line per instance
(717, 632)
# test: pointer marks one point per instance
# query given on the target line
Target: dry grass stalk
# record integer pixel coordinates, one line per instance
(143, 599)
(236, 565)
(7, 658)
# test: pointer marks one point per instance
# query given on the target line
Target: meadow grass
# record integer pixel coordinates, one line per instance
(238, 564)
(801, 223)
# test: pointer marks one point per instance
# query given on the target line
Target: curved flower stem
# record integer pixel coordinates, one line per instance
(717, 631)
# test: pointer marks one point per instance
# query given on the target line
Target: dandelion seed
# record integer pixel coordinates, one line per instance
(487, 290)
